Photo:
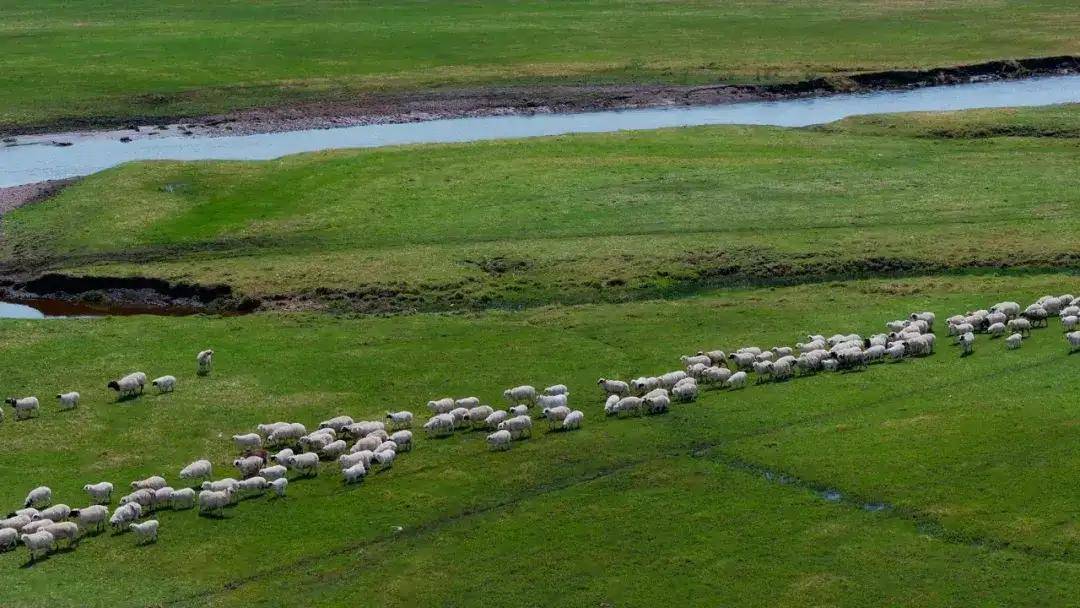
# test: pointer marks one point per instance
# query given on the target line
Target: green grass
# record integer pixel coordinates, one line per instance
(93, 61)
(974, 453)
(578, 218)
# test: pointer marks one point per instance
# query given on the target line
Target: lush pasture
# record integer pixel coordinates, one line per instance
(583, 218)
(109, 60)
(974, 454)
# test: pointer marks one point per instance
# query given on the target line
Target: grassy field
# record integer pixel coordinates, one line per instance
(138, 58)
(582, 218)
(971, 456)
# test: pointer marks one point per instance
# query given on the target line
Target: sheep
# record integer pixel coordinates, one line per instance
(369, 442)
(337, 423)
(1070, 311)
(743, 361)
(8, 539)
(520, 394)
(275, 472)
(573, 420)
(93, 516)
(40, 496)
(555, 415)
(316, 441)
(1011, 309)
(1070, 322)
(518, 410)
(200, 469)
(143, 497)
(459, 415)
(642, 385)
(967, 343)
(656, 404)
(355, 473)
(347, 460)
(670, 379)
(182, 499)
(718, 375)
(440, 424)
(27, 511)
(254, 485)
(551, 401)
(282, 456)
(960, 329)
(204, 362)
(37, 525)
(129, 385)
(1021, 326)
(334, 449)
(685, 392)
(697, 370)
(874, 353)
(611, 405)
(211, 501)
(57, 512)
(25, 407)
(164, 384)
(499, 440)
(385, 459)
(493, 420)
(812, 346)
(66, 530)
(1013, 341)
(400, 420)
(386, 445)
(763, 370)
(100, 493)
(121, 519)
(737, 380)
(1073, 338)
(614, 387)
(154, 482)
(688, 361)
(403, 440)
(279, 486)
(716, 357)
(766, 356)
(996, 330)
(68, 401)
(753, 350)
(477, 415)
(629, 405)
(557, 389)
(250, 465)
(146, 532)
(38, 542)
(441, 406)
(362, 428)
(1037, 315)
(221, 485)
(291, 432)
(308, 464)
(467, 402)
(265, 430)
(518, 426)
(379, 434)
(16, 522)
(248, 441)
(895, 351)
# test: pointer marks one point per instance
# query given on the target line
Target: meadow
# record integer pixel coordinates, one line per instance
(145, 60)
(952, 474)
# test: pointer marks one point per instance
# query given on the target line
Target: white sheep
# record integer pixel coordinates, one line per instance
(165, 384)
(629, 405)
(499, 440)
(334, 449)
(1020, 325)
(477, 416)
(520, 394)
(555, 415)
(100, 493)
(717, 375)
(144, 497)
(518, 410)
(337, 423)
(265, 430)
(670, 379)
(93, 516)
(557, 389)
(200, 469)
(211, 501)
(996, 330)
(495, 418)
(182, 499)
(1073, 338)
(68, 401)
(154, 482)
(467, 402)
(204, 362)
(128, 385)
(441, 406)
(551, 401)
(163, 497)
(403, 440)
(355, 473)
(385, 459)
(686, 392)
(656, 404)
(895, 351)
(146, 532)
(37, 525)
(611, 405)
(642, 385)
(282, 456)
(279, 486)
(66, 530)
(291, 432)
(254, 485)
(1070, 322)
(25, 407)
(39, 542)
(573, 420)
(967, 342)
(308, 464)
(614, 387)
(400, 420)
(369, 443)
(221, 485)
(519, 426)
(459, 414)
(123, 516)
(15, 522)
(717, 357)
(275, 472)
(347, 460)
(250, 465)
(737, 380)
(57, 512)
(1011, 309)
(9, 537)
(40, 496)
(247, 441)
(689, 361)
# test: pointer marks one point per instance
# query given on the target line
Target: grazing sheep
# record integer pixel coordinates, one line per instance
(146, 532)
(291, 432)
(182, 499)
(1013, 341)
(400, 420)
(611, 405)
(614, 387)
(385, 459)
(520, 394)
(1070, 322)
(370, 442)
(459, 415)
(555, 415)
(737, 380)
(479, 414)
(379, 434)
(518, 410)
(282, 456)
(37, 525)
(248, 441)
(164, 384)
(39, 542)
(499, 440)
(347, 460)
(25, 407)
(403, 440)
(200, 469)
(967, 343)
(386, 445)
(250, 465)
(656, 404)
(317, 441)
(308, 464)
(129, 385)
(1073, 338)
(221, 485)
(39, 497)
(996, 330)
(100, 493)
(716, 357)
(66, 530)
(1037, 315)
(57, 512)
(743, 361)
(9, 537)
(68, 401)
(122, 518)
(336, 423)
(334, 449)
(1021, 326)
(492, 421)
(717, 375)
(895, 351)
(93, 516)
(265, 430)
(441, 406)
(557, 389)
(275, 472)
(211, 501)
(573, 420)
(686, 392)
(155, 482)
(670, 379)
(688, 361)
(279, 486)
(697, 370)
(204, 362)
(362, 428)
(254, 485)
(1010, 309)
(551, 401)
(642, 385)
(16, 522)
(355, 473)
(960, 329)
(467, 402)
(629, 405)
(143, 497)
(519, 426)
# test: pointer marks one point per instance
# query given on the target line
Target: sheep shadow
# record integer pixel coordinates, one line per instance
(213, 515)
(127, 398)
(33, 562)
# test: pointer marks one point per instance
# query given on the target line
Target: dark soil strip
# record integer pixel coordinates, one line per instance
(491, 101)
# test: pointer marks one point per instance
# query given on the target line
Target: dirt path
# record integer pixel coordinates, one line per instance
(16, 196)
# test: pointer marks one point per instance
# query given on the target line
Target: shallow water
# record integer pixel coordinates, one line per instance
(60, 309)
(33, 159)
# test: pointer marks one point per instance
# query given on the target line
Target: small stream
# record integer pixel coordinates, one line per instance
(31, 159)
(62, 309)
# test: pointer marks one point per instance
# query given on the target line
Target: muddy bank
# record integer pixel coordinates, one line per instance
(61, 294)
(374, 108)
(14, 197)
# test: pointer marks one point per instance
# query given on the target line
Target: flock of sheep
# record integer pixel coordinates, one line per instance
(40, 524)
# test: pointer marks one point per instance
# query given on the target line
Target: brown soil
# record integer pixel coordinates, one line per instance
(17, 196)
